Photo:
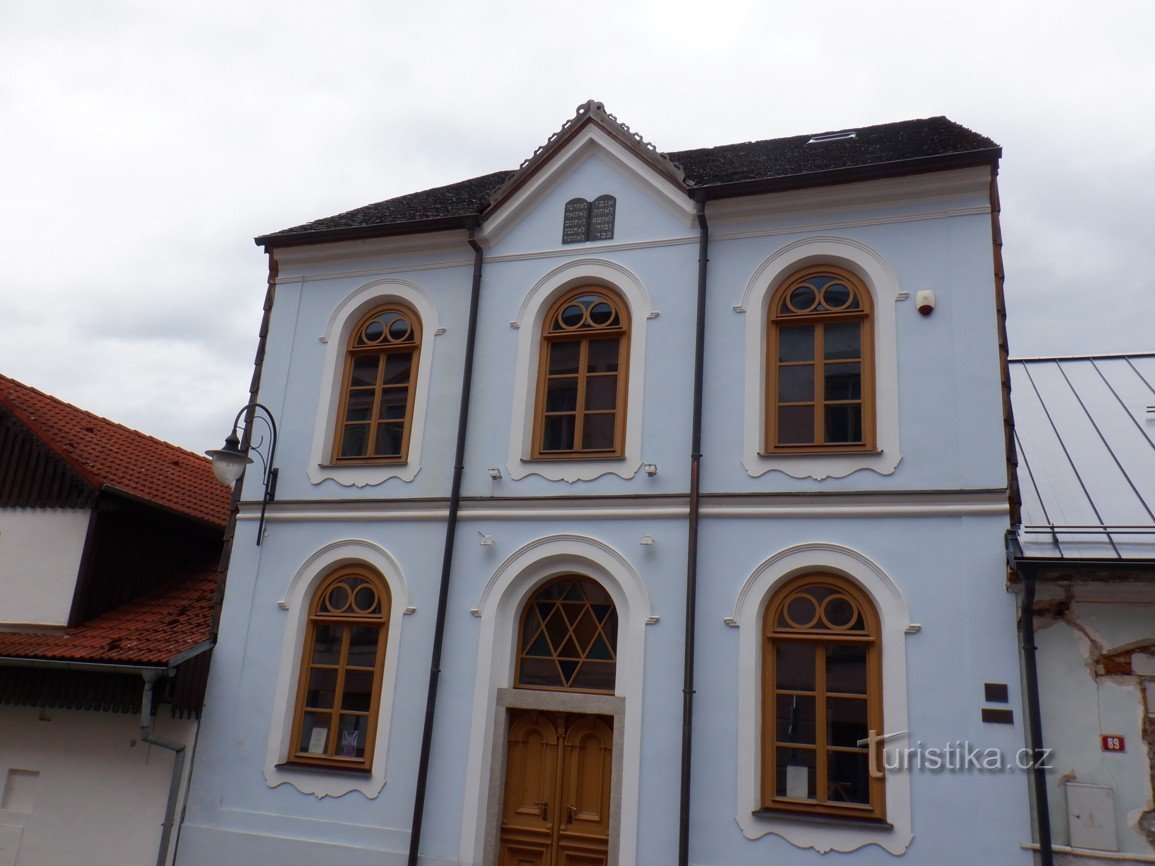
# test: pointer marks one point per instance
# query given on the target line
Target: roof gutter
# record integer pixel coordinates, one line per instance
(355, 233)
(167, 669)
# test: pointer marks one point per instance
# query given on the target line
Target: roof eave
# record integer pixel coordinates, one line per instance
(356, 233)
(873, 171)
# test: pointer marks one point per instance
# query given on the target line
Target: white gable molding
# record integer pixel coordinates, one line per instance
(499, 610)
(336, 340)
(295, 602)
(883, 285)
(528, 325)
(589, 141)
(894, 616)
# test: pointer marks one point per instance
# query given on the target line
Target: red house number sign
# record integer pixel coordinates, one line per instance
(1113, 743)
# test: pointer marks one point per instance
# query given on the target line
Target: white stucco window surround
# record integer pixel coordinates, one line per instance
(883, 285)
(336, 340)
(499, 611)
(832, 834)
(529, 323)
(295, 603)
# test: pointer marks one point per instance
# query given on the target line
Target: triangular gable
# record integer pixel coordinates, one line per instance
(32, 475)
(591, 127)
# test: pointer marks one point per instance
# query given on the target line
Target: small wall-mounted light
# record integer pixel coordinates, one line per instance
(486, 541)
(495, 473)
(647, 540)
(651, 469)
(924, 301)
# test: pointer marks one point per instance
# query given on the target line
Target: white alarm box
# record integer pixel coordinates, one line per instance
(1091, 816)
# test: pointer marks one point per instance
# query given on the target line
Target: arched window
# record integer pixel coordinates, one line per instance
(581, 391)
(339, 691)
(568, 639)
(376, 410)
(820, 376)
(821, 699)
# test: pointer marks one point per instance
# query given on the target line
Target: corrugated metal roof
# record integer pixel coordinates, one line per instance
(1085, 435)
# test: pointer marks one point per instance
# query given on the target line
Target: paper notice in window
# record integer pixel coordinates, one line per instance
(796, 781)
(317, 741)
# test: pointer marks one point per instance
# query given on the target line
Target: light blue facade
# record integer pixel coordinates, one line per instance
(930, 528)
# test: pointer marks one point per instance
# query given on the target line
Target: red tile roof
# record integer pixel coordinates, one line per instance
(111, 455)
(150, 630)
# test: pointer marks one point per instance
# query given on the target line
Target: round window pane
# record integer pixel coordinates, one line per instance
(838, 612)
(373, 331)
(338, 598)
(802, 298)
(399, 329)
(601, 313)
(836, 296)
(801, 611)
(571, 316)
(365, 599)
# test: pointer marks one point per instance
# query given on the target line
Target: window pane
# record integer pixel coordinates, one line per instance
(314, 733)
(364, 371)
(796, 344)
(539, 672)
(598, 432)
(351, 736)
(794, 666)
(846, 721)
(844, 423)
(849, 778)
(843, 340)
(795, 719)
(602, 356)
(397, 368)
(595, 677)
(359, 406)
(795, 425)
(843, 381)
(561, 394)
(322, 688)
(835, 296)
(363, 646)
(846, 669)
(795, 773)
(355, 441)
(389, 438)
(602, 392)
(358, 693)
(327, 644)
(796, 384)
(558, 433)
(563, 357)
(393, 404)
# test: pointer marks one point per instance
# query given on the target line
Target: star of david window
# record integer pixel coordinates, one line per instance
(568, 638)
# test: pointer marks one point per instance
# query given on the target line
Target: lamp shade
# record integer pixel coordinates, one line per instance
(229, 462)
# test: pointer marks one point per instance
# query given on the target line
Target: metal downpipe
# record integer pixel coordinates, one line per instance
(1035, 727)
(447, 560)
(178, 760)
(692, 542)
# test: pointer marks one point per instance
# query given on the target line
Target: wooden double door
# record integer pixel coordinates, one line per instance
(556, 810)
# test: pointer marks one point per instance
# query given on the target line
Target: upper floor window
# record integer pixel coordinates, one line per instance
(821, 698)
(583, 377)
(820, 380)
(377, 394)
(568, 639)
(339, 689)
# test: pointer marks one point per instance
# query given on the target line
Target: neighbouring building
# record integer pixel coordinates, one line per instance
(109, 543)
(1085, 551)
(621, 497)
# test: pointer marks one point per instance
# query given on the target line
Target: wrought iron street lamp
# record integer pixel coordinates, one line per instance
(231, 460)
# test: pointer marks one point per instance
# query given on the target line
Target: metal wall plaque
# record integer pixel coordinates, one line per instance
(602, 218)
(575, 225)
(584, 221)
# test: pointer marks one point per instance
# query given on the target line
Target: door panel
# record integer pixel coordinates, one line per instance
(557, 790)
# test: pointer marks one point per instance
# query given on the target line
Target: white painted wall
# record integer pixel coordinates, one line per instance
(100, 795)
(40, 550)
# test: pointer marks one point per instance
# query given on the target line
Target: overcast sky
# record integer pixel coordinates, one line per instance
(143, 143)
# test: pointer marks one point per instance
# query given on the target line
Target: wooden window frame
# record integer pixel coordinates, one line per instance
(352, 351)
(820, 638)
(316, 617)
(520, 646)
(622, 329)
(776, 321)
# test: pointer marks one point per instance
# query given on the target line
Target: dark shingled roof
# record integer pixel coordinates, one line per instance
(888, 144)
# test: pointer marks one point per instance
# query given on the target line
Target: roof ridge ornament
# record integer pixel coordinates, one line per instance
(590, 111)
